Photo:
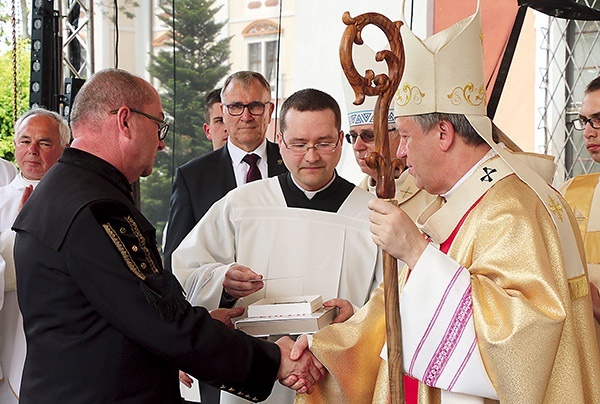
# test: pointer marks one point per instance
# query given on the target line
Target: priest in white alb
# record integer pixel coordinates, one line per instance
(302, 233)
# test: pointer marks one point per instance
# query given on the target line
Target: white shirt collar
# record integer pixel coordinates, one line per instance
(311, 194)
(238, 154)
(21, 182)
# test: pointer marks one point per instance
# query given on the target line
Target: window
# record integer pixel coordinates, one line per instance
(270, 60)
(254, 57)
(262, 47)
(262, 58)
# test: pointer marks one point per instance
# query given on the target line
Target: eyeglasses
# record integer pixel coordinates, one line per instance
(255, 108)
(300, 149)
(366, 136)
(163, 128)
(580, 123)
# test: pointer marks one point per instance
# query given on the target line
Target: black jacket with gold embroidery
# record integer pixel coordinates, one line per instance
(104, 322)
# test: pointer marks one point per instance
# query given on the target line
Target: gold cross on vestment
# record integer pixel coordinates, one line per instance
(579, 216)
(405, 192)
(556, 208)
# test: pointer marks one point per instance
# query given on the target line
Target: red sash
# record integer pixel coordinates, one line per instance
(445, 246)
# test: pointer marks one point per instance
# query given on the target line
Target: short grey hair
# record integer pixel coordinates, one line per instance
(107, 90)
(246, 78)
(63, 127)
(460, 123)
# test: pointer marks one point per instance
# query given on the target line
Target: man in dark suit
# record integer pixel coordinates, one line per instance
(247, 110)
(104, 322)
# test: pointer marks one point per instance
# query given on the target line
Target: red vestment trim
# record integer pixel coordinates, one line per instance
(445, 246)
(411, 390)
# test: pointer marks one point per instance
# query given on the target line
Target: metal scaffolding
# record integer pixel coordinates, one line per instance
(78, 34)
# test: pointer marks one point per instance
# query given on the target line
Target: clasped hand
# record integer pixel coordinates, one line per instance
(299, 369)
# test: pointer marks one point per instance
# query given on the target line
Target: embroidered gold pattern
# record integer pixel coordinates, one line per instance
(142, 241)
(473, 96)
(413, 93)
(579, 216)
(579, 287)
(124, 253)
(556, 208)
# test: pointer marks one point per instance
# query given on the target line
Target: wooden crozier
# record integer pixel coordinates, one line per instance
(384, 87)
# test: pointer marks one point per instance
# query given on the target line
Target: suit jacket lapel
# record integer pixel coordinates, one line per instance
(225, 167)
(275, 164)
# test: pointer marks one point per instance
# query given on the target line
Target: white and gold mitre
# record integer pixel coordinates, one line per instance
(443, 73)
(364, 58)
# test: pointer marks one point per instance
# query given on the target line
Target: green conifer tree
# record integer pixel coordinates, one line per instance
(192, 67)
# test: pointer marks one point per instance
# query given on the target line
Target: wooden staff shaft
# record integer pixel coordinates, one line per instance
(393, 328)
(384, 87)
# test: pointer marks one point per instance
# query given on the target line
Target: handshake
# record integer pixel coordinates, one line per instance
(299, 369)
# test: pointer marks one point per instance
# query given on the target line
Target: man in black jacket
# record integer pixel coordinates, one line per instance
(104, 322)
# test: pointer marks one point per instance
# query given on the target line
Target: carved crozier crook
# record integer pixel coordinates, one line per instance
(384, 87)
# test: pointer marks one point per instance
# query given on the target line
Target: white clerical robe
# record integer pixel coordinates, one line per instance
(8, 172)
(314, 252)
(411, 199)
(12, 337)
(505, 315)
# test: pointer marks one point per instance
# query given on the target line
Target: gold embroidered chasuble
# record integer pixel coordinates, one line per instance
(534, 327)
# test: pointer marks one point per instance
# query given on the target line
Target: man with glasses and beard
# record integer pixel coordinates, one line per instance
(308, 229)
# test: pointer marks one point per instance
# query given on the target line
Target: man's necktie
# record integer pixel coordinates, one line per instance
(253, 171)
